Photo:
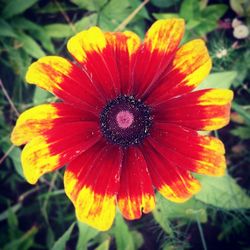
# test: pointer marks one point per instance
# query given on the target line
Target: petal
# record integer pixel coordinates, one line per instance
(125, 46)
(189, 150)
(33, 122)
(92, 182)
(191, 64)
(201, 110)
(155, 54)
(91, 49)
(136, 194)
(65, 80)
(56, 147)
(172, 182)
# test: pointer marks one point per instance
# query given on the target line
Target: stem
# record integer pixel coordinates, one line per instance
(203, 241)
(8, 98)
(125, 22)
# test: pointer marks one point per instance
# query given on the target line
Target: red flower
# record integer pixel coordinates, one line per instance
(127, 121)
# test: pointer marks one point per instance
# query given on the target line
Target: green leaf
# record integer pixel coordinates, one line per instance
(30, 46)
(167, 210)
(242, 132)
(58, 30)
(164, 3)
(93, 5)
(40, 96)
(86, 233)
(222, 192)
(60, 244)
(4, 215)
(221, 80)
(115, 12)
(214, 12)
(24, 24)
(123, 236)
(15, 7)
(190, 10)
(25, 242)
(242, 111)
(6, 30)
(165, 15)
(104, 245)
(237, 6)
(86, 22)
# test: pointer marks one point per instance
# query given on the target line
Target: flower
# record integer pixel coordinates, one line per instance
(241, 31)
(126, 122)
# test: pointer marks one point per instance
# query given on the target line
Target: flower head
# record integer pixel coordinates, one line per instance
(126, 122)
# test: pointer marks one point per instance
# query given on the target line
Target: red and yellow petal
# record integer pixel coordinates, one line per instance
(92, 182)
(125, 46)
(189, 150)
(33, 122)
(172, 182)
(56, 147)
(92, 50)
(201, 110)
(65, 80)
(191, 64)
(155, 54)
(136, 194)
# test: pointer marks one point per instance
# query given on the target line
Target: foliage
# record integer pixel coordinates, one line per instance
(41, 217)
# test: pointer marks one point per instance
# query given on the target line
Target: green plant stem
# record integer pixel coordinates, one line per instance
(203, 241)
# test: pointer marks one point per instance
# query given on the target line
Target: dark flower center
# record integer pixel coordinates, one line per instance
(125, 121)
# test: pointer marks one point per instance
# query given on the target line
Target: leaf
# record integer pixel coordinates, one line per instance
(165, 15)
(167, 210)
(86, 233)
(237, 6)
(115, 12)
(24, 242)
(221, 80)
(93, 5)
(58, 30)
(222, 192)
(15, 7)
(60, 244)
(164, 3)
(214, 12)
(241, 111)
(242, 132)
(86, 22)
(24, 24)
(104, 245)
(40, 96)
(123, 236)
(30, 46)
(4, 215)
(190, 10)
(6, 30)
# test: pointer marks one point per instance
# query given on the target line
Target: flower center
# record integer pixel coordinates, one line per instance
(125, 121)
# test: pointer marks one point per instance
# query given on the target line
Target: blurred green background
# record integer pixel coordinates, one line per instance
(41, 216)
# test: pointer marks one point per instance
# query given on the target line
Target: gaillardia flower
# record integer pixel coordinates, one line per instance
(127, 121)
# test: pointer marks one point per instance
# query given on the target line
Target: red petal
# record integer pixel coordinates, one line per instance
(125, 46)
(155, 54)
(56, 147)
(136, 193)
(201, 110)
(191, 64)
(65, 80)
(92, 182)
(35, 121)
(172, 182)
(189, 150)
